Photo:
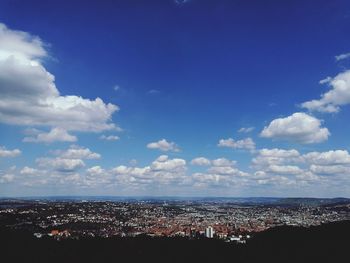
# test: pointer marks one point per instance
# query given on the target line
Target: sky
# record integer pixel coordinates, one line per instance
(175, 98)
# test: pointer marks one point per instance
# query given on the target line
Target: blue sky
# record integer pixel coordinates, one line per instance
(224, 98)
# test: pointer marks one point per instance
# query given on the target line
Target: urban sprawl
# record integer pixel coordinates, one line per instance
(222, 220)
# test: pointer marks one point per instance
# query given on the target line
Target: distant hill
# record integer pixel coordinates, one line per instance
(312, 201)
(161, 199)
(325, 243)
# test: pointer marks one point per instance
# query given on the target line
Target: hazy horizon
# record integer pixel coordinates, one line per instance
(170, 197)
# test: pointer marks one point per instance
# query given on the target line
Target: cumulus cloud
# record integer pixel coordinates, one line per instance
(7, 178)
(77, 152)
(132, 172)
(299, 127)
(95, 170)
(9, 153)
(163, 170)
(29, 171)
(55, 135)
(69, 160)
(96, 176)
(61, 164)
(334, 162)
(279, 153)
(221, 173)
(201, 161)
(338, 95)
(109, 137)
(272, 160)
(30, 97)
(247, 143)
(284, 169)
(280, 167)
(223, 162)
(163, 145)
(328, 158)
(163, 163)
(316, 168)
(330, 169)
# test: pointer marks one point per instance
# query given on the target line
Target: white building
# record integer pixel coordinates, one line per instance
(209, 232)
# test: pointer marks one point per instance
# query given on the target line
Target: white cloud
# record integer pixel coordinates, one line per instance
(29, 95)
(61, 164)
(77, 152)
(272, 170)
(342, 56)
(284, 169)
(299, 127)
(29, 171)
(328, 158)
(163, 163)
(132, 171)
(246, 129)
(9, 153)
(329, 163)
(109, 137)
(330, 169)
(7, 178)
(96, 176)
(161, 171)
(331, 101)
(20, 44)
(164, 146)
(201, 161)
(95, 171)
(223, 162)
(279, 153)
(55, 135)
(279, 167)
(246, 143)
(308, 176)
(272, 159)
(223, 170)
(222, 173)
(316, 168)
(67, 161)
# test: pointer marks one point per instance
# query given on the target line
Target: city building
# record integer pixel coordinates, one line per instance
(209, 232)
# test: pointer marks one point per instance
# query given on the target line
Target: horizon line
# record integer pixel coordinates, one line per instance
(165, 196)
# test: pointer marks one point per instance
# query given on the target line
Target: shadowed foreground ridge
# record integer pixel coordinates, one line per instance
(325, 243)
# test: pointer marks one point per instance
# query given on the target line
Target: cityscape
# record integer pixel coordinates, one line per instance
(228, 220)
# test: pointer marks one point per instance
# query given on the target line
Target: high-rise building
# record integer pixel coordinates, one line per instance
(209, 232)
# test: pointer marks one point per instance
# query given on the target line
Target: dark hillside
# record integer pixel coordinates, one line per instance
(326, 243)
